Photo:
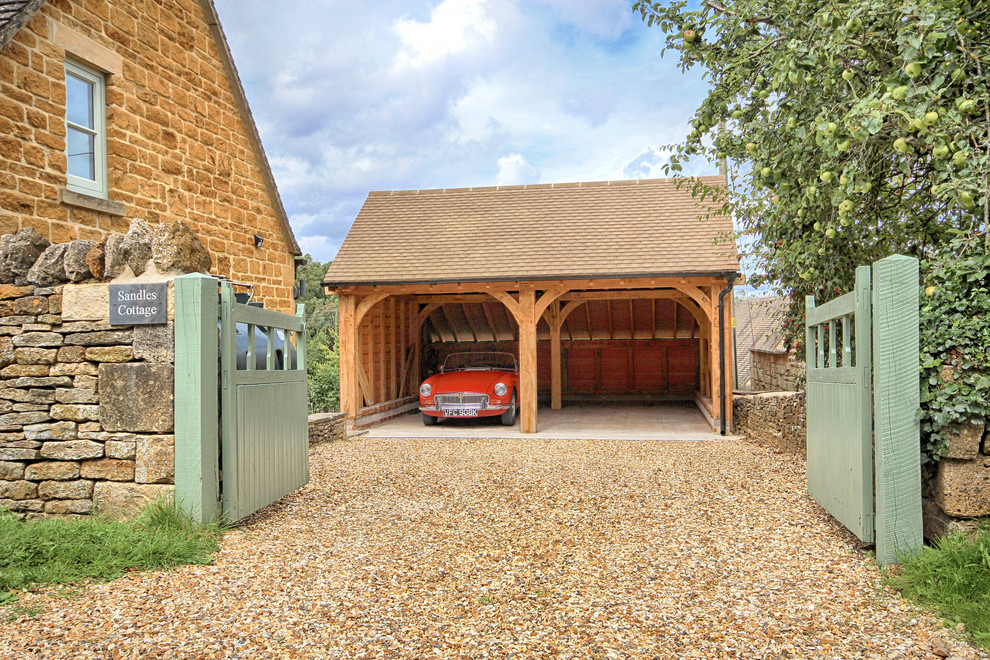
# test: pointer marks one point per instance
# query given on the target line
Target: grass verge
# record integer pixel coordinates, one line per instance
(56, 551)
(954, 578)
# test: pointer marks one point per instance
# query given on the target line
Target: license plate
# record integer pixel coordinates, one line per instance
(460, 412)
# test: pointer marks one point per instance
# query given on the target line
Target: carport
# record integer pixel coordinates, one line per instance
(604, 291)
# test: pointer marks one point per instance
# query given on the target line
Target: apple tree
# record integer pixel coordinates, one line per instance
(853, 130)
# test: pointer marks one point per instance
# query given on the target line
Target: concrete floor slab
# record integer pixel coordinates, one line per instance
(668, 421)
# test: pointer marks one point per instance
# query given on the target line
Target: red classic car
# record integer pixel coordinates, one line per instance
(479, 384)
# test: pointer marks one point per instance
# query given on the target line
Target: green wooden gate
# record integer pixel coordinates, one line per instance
(839, 397)
(241, 433)
(863, 395)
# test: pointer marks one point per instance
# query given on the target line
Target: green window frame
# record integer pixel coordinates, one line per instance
(85, 130)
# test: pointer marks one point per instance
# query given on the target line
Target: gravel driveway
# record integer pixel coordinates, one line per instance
(511, 548)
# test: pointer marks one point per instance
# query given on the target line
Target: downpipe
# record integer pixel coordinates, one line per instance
(729, 282)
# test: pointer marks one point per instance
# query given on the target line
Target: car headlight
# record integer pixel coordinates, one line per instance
(501, 389)
(425, 389)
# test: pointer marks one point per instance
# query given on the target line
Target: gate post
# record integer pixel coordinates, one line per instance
(896, 400)
(197, 450)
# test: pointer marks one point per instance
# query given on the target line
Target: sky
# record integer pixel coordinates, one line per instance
(358, 96)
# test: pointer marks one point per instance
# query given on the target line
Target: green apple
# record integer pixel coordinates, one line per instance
(845, 221)
(900, 92)
(854, 24)
(843, 180)
(751, 148)
(830, 232)
(941, 151)
(766, 172)
(793, 76)
(847, 74)
(818, 226)
(826, 176)
(737, 114)
(913, 69)
(930, 118)
(901, 146)
(966, 106)
(690, 36)
(812, 191)
(959, 158)
(831, 128)
(966, 199)
(845, 206)
(843, 145)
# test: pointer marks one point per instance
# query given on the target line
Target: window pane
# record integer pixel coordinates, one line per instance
(82, 154)
(79, 101)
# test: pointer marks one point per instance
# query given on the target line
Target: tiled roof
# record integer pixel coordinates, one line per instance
(757, 326)
(13, 15)
(540, 232)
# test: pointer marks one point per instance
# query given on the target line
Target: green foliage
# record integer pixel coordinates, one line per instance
(323, 370)
(56, 551)
(321, 309)
(323, 359)
(854, 130)
(954, 577)
(955, 343)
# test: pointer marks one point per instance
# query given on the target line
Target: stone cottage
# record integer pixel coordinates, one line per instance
(112, 110)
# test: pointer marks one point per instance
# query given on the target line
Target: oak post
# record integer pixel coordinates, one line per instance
(527, 360)
(348, 356)
(555, 375)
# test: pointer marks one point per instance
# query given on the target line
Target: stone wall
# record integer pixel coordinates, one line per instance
(327, 427)
(178, 145)
(775, 371)
(774, 419)
(86, 407)
(961, 487)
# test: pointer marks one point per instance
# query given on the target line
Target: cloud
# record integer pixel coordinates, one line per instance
(455, 26)
(515, 170)
(408, 94)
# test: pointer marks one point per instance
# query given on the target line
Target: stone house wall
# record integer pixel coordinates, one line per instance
(775, 371)
(773, 419)
(86, 413)
(179, 143)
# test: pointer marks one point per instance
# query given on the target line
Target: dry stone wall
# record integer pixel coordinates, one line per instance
(327, 427)
(774, 419)
(85, 407)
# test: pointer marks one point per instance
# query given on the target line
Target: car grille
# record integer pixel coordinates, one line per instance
(473, 400)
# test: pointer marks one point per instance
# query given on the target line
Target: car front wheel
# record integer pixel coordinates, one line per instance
(430, 420)
(508, 418)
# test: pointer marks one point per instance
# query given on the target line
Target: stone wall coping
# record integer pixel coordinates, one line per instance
(316, 418)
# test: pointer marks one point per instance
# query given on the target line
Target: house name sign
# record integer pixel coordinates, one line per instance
(138, 304)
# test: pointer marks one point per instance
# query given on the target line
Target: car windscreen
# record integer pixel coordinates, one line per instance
(470, 361)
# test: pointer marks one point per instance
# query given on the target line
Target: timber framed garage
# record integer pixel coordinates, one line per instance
(604, 291)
